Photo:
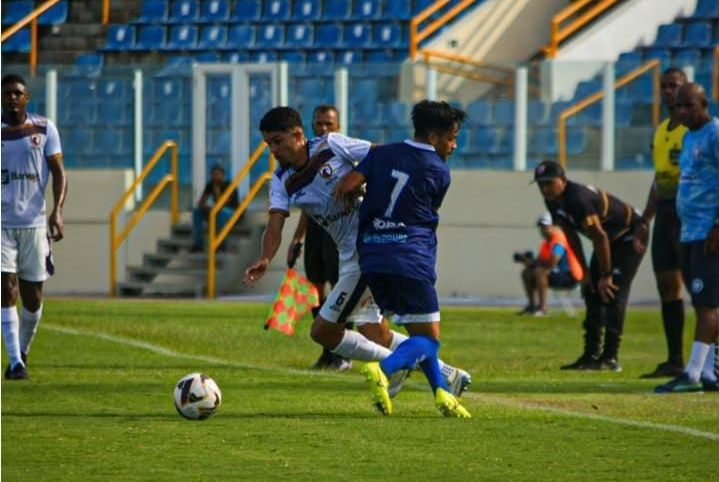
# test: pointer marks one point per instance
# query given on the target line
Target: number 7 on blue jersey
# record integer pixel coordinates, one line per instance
(402, 178)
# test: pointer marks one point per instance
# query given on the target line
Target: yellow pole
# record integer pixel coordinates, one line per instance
(175, 196)
(33, 47)
(113, 260)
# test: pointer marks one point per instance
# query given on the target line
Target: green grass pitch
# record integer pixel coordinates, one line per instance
(98, 406)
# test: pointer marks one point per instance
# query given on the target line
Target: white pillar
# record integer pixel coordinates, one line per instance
(51, 95)
(341, 97)
(520, 119)
(138, 126)
(430, 87)
(607, 163)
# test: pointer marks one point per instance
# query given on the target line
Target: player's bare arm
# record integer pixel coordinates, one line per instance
(711, 246)
(56, 225)
(271, 240)
(641, 234)
(600, 240)
(295, 249)
(349, 188)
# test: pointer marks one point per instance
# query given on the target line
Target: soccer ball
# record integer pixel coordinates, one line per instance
(197, 396)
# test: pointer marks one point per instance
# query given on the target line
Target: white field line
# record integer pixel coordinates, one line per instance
(483, 398)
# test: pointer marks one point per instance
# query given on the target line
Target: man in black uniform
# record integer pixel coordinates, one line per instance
(610, 224)
(320, 257)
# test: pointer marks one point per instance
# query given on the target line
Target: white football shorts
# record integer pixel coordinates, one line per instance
(26, 252)
(351, 296)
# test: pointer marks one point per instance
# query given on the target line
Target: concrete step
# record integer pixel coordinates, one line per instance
(129, 288)
(192, 260)
(147, 274)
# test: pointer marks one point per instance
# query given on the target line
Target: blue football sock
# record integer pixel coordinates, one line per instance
(408, 354)
(431, 369)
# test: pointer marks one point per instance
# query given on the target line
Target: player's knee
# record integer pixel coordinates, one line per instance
(669, 288)
(326, 334)
(9, 290)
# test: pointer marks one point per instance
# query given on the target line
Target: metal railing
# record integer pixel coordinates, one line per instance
(215, 238)
(559, 33)
(653, 65)
(715, 74)
(117, 240)
(416, 36)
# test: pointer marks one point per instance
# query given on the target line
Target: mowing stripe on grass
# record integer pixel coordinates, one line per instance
(483, 398)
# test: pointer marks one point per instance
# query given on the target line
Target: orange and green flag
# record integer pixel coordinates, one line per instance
(296, 296)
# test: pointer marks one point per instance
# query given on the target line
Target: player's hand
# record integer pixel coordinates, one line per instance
(607, 289)
(56, 226)
(293, 253)
(255, 272)
(587, 287)
(641, 238)
(711, 245)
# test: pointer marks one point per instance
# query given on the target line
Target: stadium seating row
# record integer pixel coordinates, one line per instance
(15, 10)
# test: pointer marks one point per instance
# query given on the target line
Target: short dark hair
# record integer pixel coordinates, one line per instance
(13, 79)
(675, 70)
(431, 116)
(217, 167)
(324, 108)
(280, 119)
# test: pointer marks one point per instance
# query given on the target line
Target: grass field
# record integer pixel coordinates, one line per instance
(98, 406)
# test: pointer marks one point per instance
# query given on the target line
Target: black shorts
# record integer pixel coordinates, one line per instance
(701, 274)
(561, 280)
(666, 252)
(321, 257)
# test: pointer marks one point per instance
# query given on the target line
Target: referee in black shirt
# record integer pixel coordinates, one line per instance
(609, 223)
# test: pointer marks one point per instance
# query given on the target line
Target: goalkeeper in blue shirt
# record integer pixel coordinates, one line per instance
(397, 243)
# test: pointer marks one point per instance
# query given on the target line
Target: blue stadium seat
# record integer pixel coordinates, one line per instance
(177, 66)
(109, 88)
(309, 90)
(669, 35)
(293, 56)
(504, 113)
(276, 10)
(79, 114)
(212, 37)
(263, 56)
(12, 12)
(246, 11)
(270, 35)
(215, 11)
(397, 134)
(627, 62)
(113, 142)
(687, 57)
(479, 113)
(115, 112)
(306, 10)
(120, 38)
(586, 88)
(366, 89)
(537, 112)
(240, 37)
(641, 89)
(321, 56)
(153, 12)
(19, 42)
(219, 114)
(543, 141)
(88, 65)
(336, 10)
(589, 116)
(576, 140)
(366, 114)
(374, 135)
(76, 142)
(76, 88)
(164, 114)
(169, 90)
(56, 15)
(381, 56)
(219, 142)
(698, 34)
(208, 57)
(396, 114)
(299, 35)
(397, 10)
(184, 11)
(661, 54)
(485, 140)
(151, 37)
(349, 57)
(623, 111)
(366, 9)
(387, 35)
(357, 35)
(328, 35)
(182, 37)
(708, 9)
(237, 57)
(219, 89)
(420, 5)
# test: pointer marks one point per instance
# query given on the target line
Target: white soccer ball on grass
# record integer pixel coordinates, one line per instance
(197, 396)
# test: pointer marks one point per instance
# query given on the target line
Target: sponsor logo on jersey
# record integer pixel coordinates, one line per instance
(36, 141)
(8, 176)
(325, 221)
(384, 238)
(382, 224)
(326, 171)
(697, 285)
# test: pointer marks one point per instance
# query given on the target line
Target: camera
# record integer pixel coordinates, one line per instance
(520, 257)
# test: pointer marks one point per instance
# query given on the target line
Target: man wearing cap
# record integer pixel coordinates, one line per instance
(556, 267)
(609, 223)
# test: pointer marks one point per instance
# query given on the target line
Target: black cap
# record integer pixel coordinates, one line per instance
(547, 170)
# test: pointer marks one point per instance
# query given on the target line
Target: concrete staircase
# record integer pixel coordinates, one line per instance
(174, 271)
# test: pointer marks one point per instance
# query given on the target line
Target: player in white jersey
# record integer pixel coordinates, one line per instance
(308, 173)
(30, 153)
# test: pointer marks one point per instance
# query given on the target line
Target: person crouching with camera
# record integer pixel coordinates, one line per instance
(556, 266)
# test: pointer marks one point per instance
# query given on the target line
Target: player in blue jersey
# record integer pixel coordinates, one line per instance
(397, 243)
(698, 209)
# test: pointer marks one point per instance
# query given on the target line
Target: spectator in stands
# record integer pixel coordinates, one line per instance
(321, 257)
(556, 266)
(213, 190)
(666, 252)
(610, 224)
(698, 209)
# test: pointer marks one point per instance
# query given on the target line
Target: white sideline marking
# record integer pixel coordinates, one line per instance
(499, 401)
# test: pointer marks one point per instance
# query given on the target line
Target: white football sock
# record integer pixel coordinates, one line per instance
(356, 346)
(696, 362)
(709, 372)
(10, 334)
(28, 327)
(397, 339)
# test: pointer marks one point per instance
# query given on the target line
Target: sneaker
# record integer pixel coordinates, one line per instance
(378, 384)
(18, 372)
(449, 406)
(710, 385)
(458, 382)
(527, 310)
(340, 364)
(23, 356)
(540, 314)
(325, 360)
(680, 384)
(396, 382)
(664, 370)
(610, 364)
(584, 362)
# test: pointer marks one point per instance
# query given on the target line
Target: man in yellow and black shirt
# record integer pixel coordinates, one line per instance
(610, 224)
(661, 202)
